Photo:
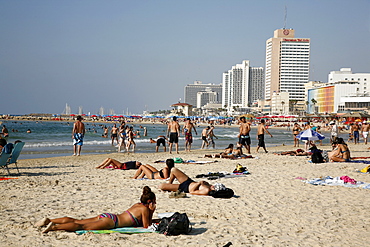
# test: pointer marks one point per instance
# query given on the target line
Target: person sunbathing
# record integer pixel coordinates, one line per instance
(298, 152)
(229, 153)
(152, 173)
(188, 185)
(115, 164)
(140, 214)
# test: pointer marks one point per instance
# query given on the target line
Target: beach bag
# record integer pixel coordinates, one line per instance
(224, 193)
(178, 160)
(175, 225)
(316, 157)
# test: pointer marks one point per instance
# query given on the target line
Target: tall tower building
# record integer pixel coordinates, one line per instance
(287, 64)
(242, 85)
(191, 91)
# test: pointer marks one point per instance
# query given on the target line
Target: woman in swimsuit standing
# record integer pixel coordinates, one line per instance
(152, 173)
(296, 130)
(140, 214)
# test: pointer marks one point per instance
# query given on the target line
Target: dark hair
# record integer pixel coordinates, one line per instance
(2, 142)
(174, 118)
(242, 118)
(340, 140)
(79, 118)
(147, 195)
(226, 193)
(170, 163)
(230, 145)
(262, 120)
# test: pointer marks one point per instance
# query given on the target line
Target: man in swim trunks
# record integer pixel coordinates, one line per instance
(244, 138)
(78, 133)
(173, 132)
(114, 133)
(365, 131)
(355, 132)
(188, 127)
(186, 185)
(161, 140)
(261, 135)
(205, 137)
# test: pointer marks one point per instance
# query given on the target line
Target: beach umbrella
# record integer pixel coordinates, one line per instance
(310, 135)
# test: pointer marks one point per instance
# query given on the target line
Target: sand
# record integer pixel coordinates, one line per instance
(270, 208)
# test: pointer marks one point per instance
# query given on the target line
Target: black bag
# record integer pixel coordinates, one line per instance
(316, 157)
(175, 225)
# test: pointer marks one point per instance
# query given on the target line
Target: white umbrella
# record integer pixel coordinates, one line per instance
(310, 135)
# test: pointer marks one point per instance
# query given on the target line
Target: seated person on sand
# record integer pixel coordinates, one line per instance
(152, 173)
(140, 214)
(115, 164)
(341, 151)
(188, 185)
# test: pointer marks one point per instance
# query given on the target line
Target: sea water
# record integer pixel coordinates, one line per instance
(52, 139)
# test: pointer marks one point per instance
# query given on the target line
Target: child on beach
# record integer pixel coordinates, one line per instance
(140, 214)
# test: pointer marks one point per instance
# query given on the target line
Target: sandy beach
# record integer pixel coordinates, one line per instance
(271, 207)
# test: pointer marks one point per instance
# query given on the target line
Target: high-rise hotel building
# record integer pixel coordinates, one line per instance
(287, 64)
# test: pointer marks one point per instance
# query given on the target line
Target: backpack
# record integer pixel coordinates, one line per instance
(174, 225)
(316, 157)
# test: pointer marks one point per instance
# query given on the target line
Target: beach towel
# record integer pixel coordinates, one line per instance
(188, 162)
(7, 178)
(125, 230)
(338, 181)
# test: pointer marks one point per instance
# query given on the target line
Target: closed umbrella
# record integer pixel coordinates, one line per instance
(310, 135)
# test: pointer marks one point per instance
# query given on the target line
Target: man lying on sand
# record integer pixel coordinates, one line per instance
(115, 164)
(188, 185)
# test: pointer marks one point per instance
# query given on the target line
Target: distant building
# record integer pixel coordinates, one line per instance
(287, 64)
(345, 91)
(182, 109)
(191, 91)
(206, 97)
(242, 85)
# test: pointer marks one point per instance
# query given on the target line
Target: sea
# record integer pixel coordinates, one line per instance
(54, 139)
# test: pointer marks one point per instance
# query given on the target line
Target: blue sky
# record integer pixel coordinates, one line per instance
(139, 55)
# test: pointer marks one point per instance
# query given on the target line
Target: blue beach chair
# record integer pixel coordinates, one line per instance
(4, 158)
(15, 154)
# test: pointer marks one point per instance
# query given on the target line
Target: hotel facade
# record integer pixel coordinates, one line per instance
(287, 64)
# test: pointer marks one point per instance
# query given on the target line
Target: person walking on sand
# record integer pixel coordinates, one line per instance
(78, 134)
(355, 132)
(138, 215)
(244, 138)
(261, 135)
(187, 131)
(205, 133)
(114, 134)
(365, 131)
(173, 132)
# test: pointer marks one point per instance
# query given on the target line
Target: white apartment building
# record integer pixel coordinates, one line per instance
(346, 75)
(205, 97)
(287, 64)
(242, 85)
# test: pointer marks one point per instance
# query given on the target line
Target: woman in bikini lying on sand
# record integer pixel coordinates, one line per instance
(152, 173)
(140, 214)
(115, 164)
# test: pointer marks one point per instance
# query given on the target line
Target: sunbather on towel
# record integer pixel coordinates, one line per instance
(230, 153)
(188, 185)
(140, 214)
(152, 173)
(112, 163)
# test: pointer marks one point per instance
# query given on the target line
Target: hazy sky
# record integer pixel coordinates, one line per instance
(140, 55)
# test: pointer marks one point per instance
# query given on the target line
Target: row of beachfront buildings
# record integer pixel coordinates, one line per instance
(282, 87)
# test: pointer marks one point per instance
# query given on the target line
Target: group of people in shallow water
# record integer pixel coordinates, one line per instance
(140, 214)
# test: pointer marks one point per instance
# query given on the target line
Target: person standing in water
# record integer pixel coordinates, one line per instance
(261, 135)
(78, 134)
